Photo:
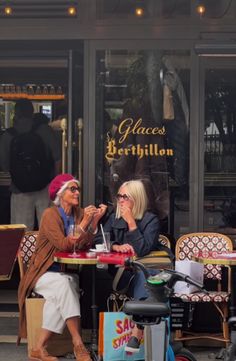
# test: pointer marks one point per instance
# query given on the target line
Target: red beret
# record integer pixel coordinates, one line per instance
(58, 182)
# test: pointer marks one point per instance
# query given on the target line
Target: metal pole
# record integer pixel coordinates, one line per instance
(80, 150)
(69, 124)
(64, 145)
(94, 307)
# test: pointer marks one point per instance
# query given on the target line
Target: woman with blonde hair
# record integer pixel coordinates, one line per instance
(133, 228)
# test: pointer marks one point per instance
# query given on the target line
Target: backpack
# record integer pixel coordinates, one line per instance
(31, 167)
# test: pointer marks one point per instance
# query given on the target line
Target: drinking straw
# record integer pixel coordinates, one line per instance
(103, 236)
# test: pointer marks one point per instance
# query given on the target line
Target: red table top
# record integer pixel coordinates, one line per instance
(91, 258)
(224, 258)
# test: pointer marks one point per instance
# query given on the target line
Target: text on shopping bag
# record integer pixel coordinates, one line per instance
(114, 332)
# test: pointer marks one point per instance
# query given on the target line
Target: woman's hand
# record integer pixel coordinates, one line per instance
(127, 215)
(89, 213)
(101, 210)
(124, 248)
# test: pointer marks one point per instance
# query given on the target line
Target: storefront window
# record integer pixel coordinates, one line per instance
(142, 128)
(220, 145)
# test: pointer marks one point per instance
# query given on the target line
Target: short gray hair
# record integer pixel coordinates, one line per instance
(57, 200)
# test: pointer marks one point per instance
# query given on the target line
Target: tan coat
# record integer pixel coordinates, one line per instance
(51, 239)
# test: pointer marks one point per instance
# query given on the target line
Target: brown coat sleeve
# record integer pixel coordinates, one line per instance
(52, 231)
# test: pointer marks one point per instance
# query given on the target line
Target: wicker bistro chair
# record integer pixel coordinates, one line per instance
(164, 240)
(27, 248)
(25, 252)
(193, 243)
(158, 259)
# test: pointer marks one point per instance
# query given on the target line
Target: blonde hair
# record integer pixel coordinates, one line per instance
(137, 193)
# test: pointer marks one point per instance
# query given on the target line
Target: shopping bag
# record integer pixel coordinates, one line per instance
(114, 332)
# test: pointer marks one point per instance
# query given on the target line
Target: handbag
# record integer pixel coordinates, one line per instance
(114, 332)
(116, 301)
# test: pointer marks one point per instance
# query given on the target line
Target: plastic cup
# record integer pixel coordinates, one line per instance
(99, 247)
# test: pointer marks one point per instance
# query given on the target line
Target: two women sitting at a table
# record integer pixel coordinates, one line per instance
(59, 289)
(133, 228)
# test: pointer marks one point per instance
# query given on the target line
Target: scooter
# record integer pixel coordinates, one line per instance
(153, 314)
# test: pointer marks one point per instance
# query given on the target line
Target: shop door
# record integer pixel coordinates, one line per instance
(53, 82)
(218, 150)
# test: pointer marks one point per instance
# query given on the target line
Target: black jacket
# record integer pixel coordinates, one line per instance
(143, 239)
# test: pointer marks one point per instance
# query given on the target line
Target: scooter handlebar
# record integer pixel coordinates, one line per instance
(178, 276)
(125, 260)
(174, 275)
(194, 282)
(120, 259)
(114, 258)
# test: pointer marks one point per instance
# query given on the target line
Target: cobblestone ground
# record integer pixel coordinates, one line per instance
(11, 352)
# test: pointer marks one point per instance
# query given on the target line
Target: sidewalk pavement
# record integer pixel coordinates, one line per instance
(9, 327)
(11, 352)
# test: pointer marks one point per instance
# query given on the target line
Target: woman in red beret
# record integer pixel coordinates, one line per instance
(44, 276)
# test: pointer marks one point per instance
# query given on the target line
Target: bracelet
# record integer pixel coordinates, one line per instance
(82, 229)
(91, 230)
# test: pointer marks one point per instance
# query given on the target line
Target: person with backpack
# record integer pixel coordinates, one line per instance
(29, 152)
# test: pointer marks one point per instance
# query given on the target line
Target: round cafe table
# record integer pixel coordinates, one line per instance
(91, 259)
(225, 259)
(87, 258)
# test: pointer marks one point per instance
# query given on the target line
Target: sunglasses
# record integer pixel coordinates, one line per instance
(124, 196)
(73, 189)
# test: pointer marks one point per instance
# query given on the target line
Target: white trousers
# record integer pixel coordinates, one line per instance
(24, 206)
(61, 293)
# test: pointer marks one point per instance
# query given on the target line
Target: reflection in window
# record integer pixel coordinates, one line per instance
(220, 148)
(142, 124)
(220, 122)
